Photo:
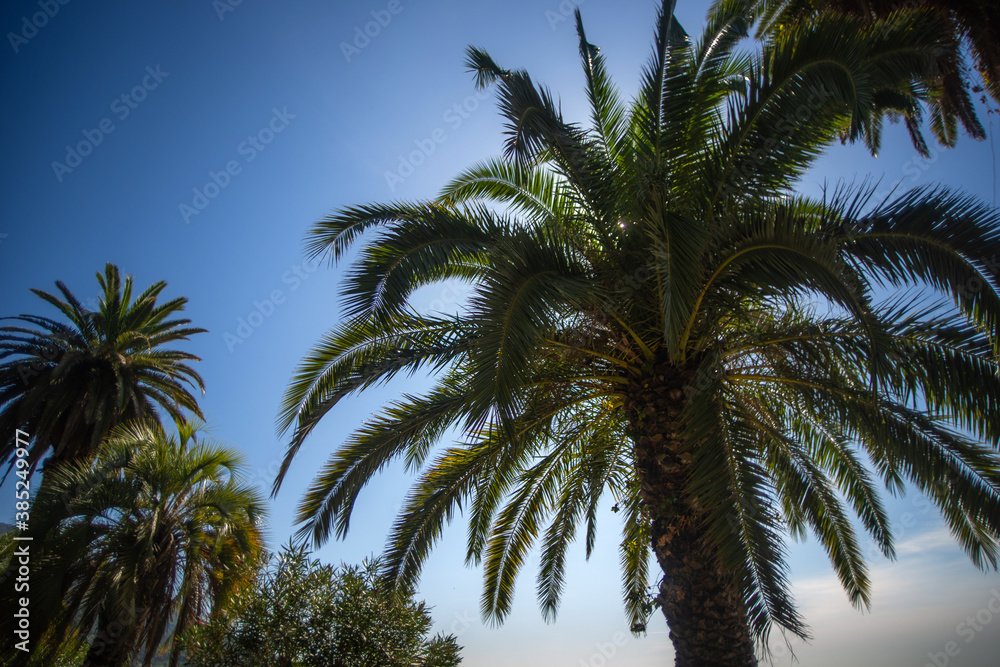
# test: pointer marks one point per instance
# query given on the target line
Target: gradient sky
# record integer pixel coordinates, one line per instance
(277, 113)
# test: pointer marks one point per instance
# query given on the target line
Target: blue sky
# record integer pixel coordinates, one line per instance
(197, 142)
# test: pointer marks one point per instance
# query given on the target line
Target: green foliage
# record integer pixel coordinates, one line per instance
(141, 544)
(967, 30)
(69, 383)
(303, 613)
(824, 344)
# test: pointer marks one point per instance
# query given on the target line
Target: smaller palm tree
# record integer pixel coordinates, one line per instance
(156, 534)
(68, 384)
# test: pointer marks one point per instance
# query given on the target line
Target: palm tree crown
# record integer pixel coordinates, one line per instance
(69, 383)
(654, 315)
(159, 530)
(964, 27)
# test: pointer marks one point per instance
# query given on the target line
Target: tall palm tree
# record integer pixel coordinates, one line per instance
(656, 316)
(69, 383)
(965, 26)
(159, 531)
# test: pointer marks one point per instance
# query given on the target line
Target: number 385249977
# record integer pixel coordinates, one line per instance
(22, 488)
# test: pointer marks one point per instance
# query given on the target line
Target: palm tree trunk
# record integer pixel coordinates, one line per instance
(703, 606)
(111, 645)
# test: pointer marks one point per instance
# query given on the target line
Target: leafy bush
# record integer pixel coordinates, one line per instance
(304, 613)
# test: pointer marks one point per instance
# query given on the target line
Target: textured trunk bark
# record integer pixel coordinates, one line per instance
(703, 607)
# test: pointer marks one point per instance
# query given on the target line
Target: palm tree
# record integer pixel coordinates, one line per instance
(68, 384)
(158, 532)
(971, 26)
(656, 316)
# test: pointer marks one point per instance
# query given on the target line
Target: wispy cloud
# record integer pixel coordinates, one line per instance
(917, 603)
(932, 542)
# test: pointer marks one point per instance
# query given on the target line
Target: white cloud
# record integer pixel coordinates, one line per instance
(918, 601)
